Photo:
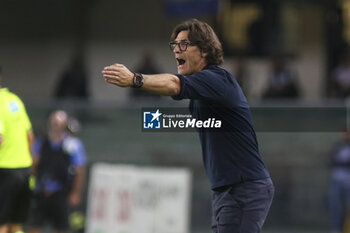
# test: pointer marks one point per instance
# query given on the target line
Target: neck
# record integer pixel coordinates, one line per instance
(204, 64)
(55, 136)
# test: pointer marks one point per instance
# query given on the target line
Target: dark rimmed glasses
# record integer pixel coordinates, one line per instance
(182, 45)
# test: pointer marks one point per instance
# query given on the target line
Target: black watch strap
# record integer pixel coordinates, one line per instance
(138, 80)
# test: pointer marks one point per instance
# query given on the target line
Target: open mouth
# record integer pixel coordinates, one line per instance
(180, 61)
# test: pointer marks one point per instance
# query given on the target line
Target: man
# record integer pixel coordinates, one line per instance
(59, 166)
(242, 189)
(73, 84)
(16, 139)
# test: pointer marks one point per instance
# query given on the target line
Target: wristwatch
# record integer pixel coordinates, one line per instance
(138, 80)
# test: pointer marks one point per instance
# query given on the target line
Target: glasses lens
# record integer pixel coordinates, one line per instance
(183, 45)
(172, 46)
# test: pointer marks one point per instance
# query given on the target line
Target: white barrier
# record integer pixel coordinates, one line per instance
(129, 199)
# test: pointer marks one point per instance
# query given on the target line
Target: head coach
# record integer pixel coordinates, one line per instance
(241, 184)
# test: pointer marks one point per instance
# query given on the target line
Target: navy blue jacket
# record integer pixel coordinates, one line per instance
(231, 154)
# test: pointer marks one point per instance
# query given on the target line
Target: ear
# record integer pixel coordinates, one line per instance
(203, 55)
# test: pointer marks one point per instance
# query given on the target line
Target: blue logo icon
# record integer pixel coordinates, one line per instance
(13, 106)
(151, 120)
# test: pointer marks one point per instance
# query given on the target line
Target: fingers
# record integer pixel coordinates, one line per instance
(112, 81)
(114, 69)
(111, 69)
(116, 74)
(115, 66)
(110, 73)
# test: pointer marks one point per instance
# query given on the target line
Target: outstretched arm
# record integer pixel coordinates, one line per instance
(161, 84)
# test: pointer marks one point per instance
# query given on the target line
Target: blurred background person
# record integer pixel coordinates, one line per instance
(339, 192)
(16, 139)
(281, 81)
(59, 166)
(241, 73)
(340, 78)
(73, 83)
(257, 34)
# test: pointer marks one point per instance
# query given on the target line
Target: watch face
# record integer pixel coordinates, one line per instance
(138, 80)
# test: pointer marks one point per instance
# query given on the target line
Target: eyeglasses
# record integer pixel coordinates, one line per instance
(182, 45)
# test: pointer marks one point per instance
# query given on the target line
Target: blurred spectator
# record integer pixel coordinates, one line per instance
(281, 81)
(59, 166)
(16, 139)
(241, 73)
(339, 192)
(73, 83)
(340, 79)
(257, 34)
(147, 65)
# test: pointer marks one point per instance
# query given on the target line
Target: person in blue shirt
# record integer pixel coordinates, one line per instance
(241, 184)
(59, 168)
(339, 188)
